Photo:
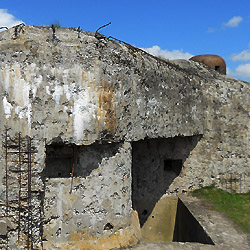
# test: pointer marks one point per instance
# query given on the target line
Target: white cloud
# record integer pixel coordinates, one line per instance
(211, 30)
(8, 20)
(234, 21)
(171, 55)
(242, 56)
(229, 72)
(243, 70)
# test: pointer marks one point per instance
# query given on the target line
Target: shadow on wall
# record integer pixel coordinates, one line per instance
(187, 228)
(155, 164)
(62, 160)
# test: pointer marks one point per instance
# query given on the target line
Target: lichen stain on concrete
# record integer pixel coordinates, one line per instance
(83, 240)
(107, 110)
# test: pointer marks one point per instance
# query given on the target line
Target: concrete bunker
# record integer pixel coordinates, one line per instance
(213, 61)
(78, 192)
(155, 164)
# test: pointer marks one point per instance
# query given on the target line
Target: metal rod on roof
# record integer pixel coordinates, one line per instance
(54, 31)
(103, 26)
(79, 30)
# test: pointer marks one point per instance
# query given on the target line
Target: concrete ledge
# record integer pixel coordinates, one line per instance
(222, 230)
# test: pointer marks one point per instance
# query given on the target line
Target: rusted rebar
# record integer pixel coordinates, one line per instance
(54, 31)
(102, 27)
(20, 186)
(79, 30)
(6, 173)
(18, 153)
(30, 236)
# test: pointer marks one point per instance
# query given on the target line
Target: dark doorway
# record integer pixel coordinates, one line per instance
(155, 164)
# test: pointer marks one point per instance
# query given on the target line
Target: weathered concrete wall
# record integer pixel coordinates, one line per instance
(223, 148)
(160, 225)
(79, 90)
(86, 89)
(94, 204)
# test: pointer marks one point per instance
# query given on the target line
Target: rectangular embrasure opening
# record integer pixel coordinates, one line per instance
(173, 165)
(217, 68)
(59, 160)
(65, 160)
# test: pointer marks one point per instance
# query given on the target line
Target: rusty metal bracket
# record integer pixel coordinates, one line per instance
(127, 44)
(97, 34)
(135, 49)
(79, 30)
(103, 26)
(54, 31)
(17, 29)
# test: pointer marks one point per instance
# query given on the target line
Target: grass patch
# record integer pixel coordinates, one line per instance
(235, 206)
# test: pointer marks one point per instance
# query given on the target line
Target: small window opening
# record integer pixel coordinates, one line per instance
(217, 68)
(173, 165)
(59, 161)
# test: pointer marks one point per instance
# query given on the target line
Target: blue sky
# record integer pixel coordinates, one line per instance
(172, 29)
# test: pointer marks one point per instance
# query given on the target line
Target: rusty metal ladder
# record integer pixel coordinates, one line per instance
(18, 183)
